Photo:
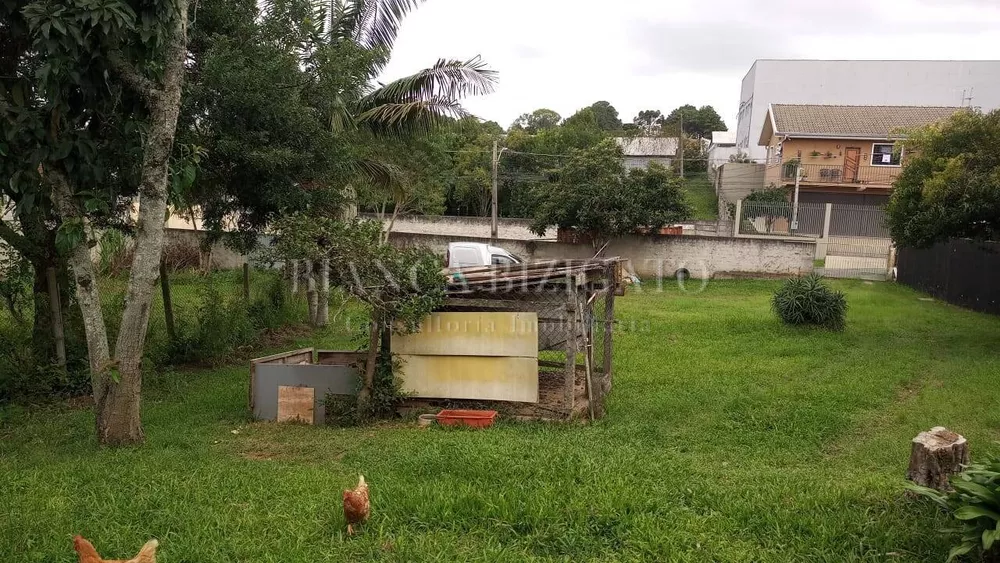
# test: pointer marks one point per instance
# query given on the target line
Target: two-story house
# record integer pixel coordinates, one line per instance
(842, 154)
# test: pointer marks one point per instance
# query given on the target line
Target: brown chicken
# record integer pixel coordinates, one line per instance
(88, 554)
(356, 506)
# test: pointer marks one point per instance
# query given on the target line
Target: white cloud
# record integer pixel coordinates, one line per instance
(659, 54)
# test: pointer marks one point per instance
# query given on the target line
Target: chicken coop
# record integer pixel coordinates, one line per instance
(530, 340)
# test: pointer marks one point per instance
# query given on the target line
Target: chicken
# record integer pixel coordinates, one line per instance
(356, 506)
(88, 554)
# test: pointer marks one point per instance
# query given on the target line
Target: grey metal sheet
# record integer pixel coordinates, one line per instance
(338, 380)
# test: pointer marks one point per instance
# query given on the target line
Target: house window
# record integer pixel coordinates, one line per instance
(884, 155)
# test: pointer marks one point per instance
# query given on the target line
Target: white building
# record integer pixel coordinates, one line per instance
(640, 151)
(901, 83)
(722, 146)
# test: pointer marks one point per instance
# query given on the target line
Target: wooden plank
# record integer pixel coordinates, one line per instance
(470, 377)
(296, 404)
(472, 334)
(294, 356)
(339, 357)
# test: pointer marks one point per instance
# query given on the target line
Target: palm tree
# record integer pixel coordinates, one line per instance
(364, 32)
(410, 104)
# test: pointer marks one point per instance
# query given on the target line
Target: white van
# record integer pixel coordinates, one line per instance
(468, 254)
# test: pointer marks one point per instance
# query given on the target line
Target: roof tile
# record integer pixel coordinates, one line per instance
(876, 122)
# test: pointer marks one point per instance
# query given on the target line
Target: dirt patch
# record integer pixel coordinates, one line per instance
(79, 403)
(255, 455)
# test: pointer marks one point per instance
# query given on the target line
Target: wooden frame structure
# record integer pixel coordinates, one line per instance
(574, 301)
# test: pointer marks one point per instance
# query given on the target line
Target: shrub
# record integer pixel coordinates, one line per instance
(180, 255)
(387, 393)
(115, 253)
(975, 504)
(808, 301)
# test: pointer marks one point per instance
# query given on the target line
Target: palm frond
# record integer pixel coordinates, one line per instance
(398, 119)
(377, 173)
(447, 79)
(373, 24)
(340, 116)
(381, 20)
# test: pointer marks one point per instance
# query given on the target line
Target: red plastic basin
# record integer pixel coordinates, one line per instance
(462, 417)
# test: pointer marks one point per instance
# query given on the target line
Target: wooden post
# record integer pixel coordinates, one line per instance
(935, 456)
(736, 217)
(588, 356)
(246, 281)
(569, 378)
(609, 323)
(323, 296)
(55, 311)
(168, 304)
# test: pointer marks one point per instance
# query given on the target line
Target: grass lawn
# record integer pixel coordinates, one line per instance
(729, 438)
(701, 195)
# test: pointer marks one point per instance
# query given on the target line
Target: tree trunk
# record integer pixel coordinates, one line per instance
(58, 328)
(935, 456)
(312, 300)
(294, 265)
(118, 384)
(87, 293)
(323, 311)
(118, 421)
(365, 394)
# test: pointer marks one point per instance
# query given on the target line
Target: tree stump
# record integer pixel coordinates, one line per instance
(936, 455)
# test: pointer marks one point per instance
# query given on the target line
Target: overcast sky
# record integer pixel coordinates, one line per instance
(659, 54)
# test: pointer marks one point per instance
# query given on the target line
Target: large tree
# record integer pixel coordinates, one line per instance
(596, 195)
(538, 120)
(606, 115)
(648, 121)
(950, 183)
(91, 114)
(698, 122)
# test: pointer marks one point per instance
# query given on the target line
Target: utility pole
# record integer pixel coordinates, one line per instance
(680, 142)
(795, 201)
(493, 199)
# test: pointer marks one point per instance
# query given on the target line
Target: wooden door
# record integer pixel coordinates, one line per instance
(852, 158)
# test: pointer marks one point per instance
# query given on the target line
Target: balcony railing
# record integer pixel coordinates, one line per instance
(834, 173)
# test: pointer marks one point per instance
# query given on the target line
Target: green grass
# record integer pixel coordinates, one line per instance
(729, 437)
(701, 195)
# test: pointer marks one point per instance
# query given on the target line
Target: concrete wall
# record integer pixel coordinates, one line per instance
(704, 257)
(518, 229)
(913, 83)
(223, 258)
(643, 161)
(738, 179)
(719, 155)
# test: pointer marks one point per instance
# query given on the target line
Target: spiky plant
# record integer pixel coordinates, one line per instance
(807, 300)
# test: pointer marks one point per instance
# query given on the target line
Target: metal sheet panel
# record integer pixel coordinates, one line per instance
(471, 377)
(472, 334)
(268, 378)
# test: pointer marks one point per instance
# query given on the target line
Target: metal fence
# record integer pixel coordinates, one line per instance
(961, 272)
(852, 173)
(852, 241)
(781, 218)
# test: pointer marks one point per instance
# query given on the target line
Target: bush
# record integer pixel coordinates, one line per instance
(808, 301)
(387, 393)
(975, 504)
